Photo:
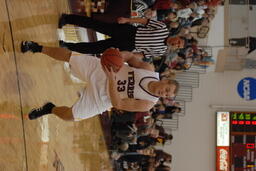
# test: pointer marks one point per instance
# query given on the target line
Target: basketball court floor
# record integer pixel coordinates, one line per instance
(28, 81)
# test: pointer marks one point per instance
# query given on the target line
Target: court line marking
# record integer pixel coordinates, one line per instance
(45, 137)
(18, 83)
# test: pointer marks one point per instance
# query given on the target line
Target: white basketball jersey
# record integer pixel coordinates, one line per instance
(129, 83)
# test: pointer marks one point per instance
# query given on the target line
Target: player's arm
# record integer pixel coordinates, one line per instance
(135, 60)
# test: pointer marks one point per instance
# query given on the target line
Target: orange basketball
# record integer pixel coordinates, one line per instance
(112, 58)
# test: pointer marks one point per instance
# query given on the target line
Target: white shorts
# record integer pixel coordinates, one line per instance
(94, 99)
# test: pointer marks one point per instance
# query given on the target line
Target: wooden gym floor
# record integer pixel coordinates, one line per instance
(28, 81)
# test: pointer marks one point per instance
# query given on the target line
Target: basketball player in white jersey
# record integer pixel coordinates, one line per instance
(135, 88)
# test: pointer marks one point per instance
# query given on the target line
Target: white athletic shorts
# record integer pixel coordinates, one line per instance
(94, 98)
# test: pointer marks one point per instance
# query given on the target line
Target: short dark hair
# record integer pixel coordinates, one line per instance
(169, 137)
(179, 109)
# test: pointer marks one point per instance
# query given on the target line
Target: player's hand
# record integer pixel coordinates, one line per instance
(109, 72)
(122, 20)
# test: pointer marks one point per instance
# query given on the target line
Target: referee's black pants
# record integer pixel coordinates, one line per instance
(122, 35)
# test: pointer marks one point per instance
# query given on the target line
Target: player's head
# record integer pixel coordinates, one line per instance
(167, 88)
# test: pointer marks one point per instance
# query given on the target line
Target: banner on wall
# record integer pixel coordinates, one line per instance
(222, 158)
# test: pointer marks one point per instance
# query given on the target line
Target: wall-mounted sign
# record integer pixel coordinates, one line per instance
(246, 88)
(223, 129)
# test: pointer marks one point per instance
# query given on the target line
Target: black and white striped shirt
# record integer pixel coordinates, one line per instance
(150, 39)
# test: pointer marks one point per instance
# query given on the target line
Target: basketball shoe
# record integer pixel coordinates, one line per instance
(38, 112)
(30, 46)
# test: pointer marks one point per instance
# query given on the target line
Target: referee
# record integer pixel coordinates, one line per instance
(150, 39)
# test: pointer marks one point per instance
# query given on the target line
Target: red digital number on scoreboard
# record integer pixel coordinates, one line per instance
(241, 122)
(234, 122)
(247, 122)
(250, 146)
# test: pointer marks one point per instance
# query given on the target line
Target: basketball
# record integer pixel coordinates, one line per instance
(112, 58)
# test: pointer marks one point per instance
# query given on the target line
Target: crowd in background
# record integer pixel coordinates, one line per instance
(187, 20)
(134, 135)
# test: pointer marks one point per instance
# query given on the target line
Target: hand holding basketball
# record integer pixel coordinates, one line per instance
(111, 58)
(109, 73)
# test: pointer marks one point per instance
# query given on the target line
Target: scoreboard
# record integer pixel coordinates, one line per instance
(236, 140)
